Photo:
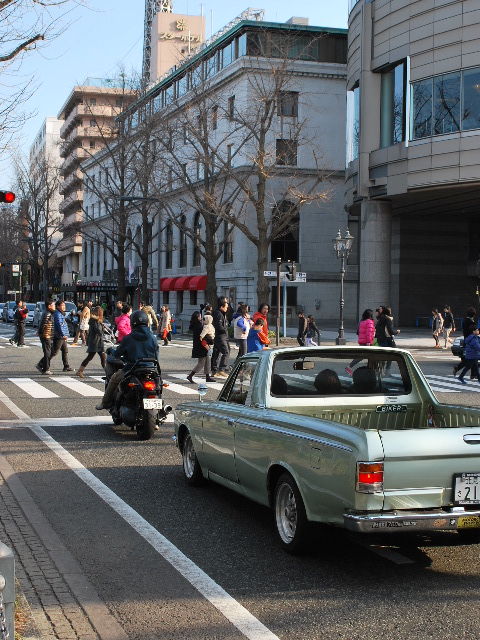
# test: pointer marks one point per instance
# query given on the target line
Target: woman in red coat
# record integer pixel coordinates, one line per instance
(262, 313)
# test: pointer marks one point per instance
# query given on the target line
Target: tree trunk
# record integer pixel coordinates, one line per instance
(263, 287)
(210, 262)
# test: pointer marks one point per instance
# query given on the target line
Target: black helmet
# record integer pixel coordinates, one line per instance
(138, 319)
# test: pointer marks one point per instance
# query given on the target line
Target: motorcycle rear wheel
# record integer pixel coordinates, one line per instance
(146, 426)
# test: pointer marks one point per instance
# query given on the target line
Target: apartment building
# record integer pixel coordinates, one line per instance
(216, 89)
(413, 151)
(88, 123)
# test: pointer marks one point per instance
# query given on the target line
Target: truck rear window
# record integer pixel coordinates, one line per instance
(348, 373)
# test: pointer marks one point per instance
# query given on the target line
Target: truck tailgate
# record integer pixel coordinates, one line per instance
(420, 465)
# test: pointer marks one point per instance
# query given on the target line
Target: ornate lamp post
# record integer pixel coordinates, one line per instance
(342, 247)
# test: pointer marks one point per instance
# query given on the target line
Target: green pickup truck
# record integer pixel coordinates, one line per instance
(347, 436)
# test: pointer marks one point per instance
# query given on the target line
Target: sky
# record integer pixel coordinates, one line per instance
(108, 33)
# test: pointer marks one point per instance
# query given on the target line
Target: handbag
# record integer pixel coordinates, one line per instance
(169, 336)
(84, 325)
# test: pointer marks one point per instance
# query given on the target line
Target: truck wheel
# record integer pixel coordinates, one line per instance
(146, 426)
(290, 515)
(191, 466)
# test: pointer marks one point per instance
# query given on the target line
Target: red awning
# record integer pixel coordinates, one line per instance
(166, 284)
(197, 283)
(181, 283)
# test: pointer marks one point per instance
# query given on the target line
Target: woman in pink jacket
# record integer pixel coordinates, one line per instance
(366, 329)
(123, 322)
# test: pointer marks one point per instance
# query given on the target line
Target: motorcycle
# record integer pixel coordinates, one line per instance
(138, 401)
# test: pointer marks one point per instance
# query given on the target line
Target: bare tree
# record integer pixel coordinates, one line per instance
(25, 25)
(233, 158)
(40, 223)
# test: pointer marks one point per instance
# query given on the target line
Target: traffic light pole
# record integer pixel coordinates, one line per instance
(279, 266)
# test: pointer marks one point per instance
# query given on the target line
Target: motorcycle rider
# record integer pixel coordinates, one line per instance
(140, 343)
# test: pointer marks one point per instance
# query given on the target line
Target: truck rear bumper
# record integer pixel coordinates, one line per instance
(402, 521)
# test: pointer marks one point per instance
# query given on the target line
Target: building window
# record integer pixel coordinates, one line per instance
(392, 105)
(166, 297)
(286, 152)
(229, 155)
(169, 246)
(197, 232)
(97, 272)
(85, 260)
(183, 243)
(446, 104)
(91, 258)
(285, 246)
(93, 102)
(231, 108)
(92, 144)
(287, 104)
(193, 298)
(92, 123)
(179, 302)
(471, 99)
(353, 123)
(227, 243)
(119, 102)
(214, 118)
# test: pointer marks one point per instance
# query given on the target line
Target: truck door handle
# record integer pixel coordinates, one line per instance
(474, 438)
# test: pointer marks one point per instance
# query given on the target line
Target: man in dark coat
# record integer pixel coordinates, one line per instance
(302, 328)
(221, 346)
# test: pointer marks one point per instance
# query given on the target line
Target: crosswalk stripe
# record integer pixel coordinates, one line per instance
(446, 389)
(471, 387)
(98, 378)
(33, 389)
(78, 387)
(178, 388)
(210, 385)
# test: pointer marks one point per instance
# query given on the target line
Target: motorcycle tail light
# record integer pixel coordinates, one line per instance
(150, 385)
(369, 477)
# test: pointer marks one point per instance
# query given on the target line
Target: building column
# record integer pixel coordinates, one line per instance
(375, 255)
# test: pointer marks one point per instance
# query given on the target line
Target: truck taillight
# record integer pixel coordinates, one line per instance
(369, 477)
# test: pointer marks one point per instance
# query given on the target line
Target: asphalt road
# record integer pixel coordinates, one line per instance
(124, 511)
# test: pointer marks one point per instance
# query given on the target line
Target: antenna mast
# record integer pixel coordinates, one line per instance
(152, 7)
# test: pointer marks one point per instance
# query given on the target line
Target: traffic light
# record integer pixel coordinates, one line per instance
(7, 196)
(291, 271)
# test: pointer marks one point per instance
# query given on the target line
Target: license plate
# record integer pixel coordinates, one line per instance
(467, 488)
(152, 403)
(468, 522)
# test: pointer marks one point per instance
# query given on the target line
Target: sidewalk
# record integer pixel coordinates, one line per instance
(57, 600)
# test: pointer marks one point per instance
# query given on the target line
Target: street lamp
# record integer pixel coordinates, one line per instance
(342, 247)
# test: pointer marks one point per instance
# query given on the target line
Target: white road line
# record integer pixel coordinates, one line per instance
(240, 617)
(33, 389)
(446, 389)
(78, 387)
(471, 387)
(98, 378)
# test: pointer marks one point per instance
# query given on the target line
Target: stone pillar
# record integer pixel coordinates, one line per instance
(375, 255)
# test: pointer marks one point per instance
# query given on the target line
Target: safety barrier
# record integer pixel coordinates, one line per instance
(7, 593)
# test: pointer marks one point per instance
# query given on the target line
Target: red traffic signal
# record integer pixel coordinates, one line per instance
(7, 196)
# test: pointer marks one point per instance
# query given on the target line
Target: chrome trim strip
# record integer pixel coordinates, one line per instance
(291, 433)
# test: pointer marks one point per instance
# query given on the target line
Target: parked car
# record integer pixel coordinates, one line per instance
(349, 437)
(37, 314)
(458, 347)
(31, 312)
(2, 304)
(8, 311)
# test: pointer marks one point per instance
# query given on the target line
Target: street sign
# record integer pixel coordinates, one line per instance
(301, 277)
(270, 274)
(15, 268)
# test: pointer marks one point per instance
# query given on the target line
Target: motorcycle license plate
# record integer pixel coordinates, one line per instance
(467, 488)
(152, 403)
